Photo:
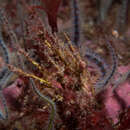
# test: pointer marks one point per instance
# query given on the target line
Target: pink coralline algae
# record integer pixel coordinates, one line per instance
(118, 100)
(13, 92)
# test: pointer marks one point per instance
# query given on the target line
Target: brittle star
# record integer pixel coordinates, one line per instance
(92, 56)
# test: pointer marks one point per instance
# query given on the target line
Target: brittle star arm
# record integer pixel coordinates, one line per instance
(121, 80)
(4, 77)
(52, 104)
(3, 116)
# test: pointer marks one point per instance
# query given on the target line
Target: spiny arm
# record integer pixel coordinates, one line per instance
(121, 79)
(101, 85)
(76, 22)
(46, 99)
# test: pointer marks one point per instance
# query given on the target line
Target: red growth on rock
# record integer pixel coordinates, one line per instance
(51, 7)
(125, 120)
